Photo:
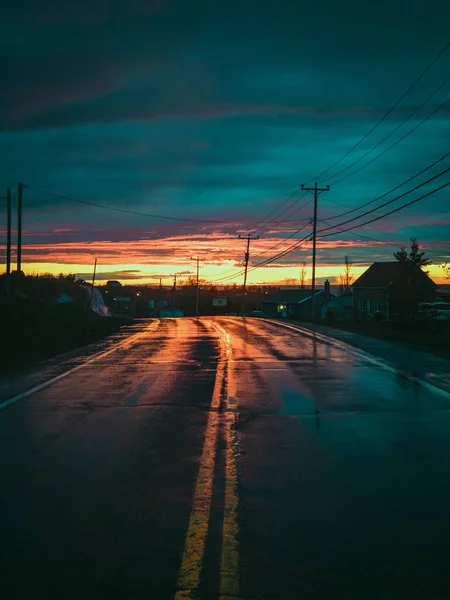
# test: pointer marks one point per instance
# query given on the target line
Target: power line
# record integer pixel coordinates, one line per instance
(138, 213)
(315, 191)
(274, 223)
(386, 150)
(392, 200)
(248, 238)
(304, 240)
(385, 116)
(430, 166)
(372, 239)
(415, 111)
(368, 212)
(262, 253)
(197, 260)
(285, 201)
(294, 246)
(270, 260)
(285, 239)
(388, 213)
(365, 136)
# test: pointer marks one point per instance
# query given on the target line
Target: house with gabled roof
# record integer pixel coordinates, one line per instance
(391, 290)
(296, 304)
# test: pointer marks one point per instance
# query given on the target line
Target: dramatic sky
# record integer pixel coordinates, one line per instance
(218, 111)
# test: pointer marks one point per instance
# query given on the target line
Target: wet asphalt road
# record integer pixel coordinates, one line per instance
(224, 458)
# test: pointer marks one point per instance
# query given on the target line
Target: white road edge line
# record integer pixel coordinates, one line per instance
(45, 384)
(361, 354)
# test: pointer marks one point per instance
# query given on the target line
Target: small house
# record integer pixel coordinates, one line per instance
(296, 304)
(390, 290)
(338, 308)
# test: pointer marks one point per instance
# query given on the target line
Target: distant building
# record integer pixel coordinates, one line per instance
(296, 304)
(338, 308)
(391, 290)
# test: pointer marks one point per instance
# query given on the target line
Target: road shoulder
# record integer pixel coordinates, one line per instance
(411, 362)
(20, 381)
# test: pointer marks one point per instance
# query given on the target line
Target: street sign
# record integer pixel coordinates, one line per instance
(220, 301)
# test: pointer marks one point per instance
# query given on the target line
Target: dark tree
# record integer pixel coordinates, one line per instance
(346, 278)
(303, 276)
(415, 257)
(413, 284)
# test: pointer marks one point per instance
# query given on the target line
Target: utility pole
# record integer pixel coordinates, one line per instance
(174, 288)
(315, 190)
(246, 259)
(8, 237)
(159, 297)
(19, 227)
(93, 282)
(198, 259)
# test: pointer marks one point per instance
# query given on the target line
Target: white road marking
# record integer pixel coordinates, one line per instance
(361, 354)
(46, 384)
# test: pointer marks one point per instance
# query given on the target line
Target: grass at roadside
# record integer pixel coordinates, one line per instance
(32, 331)
(435, 341)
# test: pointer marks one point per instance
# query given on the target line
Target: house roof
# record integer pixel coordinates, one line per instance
(340, 301)
(381, 274)
(290, 296)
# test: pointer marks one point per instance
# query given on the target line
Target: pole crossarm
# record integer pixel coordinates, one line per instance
(316, 190)
(249, 239)
(197, 260)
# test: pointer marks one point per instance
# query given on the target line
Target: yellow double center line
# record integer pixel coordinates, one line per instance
(194, 548)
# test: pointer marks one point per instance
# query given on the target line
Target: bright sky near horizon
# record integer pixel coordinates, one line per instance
(213, 110)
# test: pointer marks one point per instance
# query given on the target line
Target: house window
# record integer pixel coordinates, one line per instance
(376, 305)
(362, 304)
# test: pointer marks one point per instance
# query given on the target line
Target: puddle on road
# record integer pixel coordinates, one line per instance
(295, 402)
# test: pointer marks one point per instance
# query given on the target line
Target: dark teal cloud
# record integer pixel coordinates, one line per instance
(216, 109)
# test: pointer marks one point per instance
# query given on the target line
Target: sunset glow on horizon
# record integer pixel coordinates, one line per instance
(144, 259)
(146, 149)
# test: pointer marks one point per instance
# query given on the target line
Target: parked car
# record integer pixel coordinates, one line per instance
(439, 311)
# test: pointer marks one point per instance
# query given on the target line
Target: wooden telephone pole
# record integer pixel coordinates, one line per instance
(315, 190)
(197, 260)
(246, 259)
(8, 239)
(19, 227)
(174, 275)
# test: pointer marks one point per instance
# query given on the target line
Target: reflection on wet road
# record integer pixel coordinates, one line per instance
(223, 458)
